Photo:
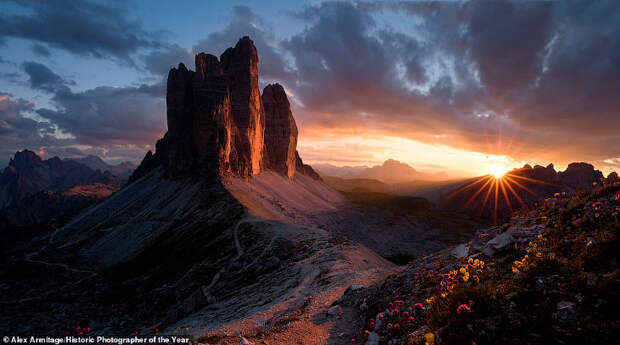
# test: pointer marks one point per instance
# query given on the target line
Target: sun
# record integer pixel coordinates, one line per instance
(497, 171)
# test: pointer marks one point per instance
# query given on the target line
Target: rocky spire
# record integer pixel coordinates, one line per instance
(240, 65)
(218, 125)
(281, 132)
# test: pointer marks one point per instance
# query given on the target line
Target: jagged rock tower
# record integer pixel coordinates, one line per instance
(218, 122)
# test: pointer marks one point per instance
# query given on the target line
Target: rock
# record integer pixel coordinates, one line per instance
(373, 339)
(580, 176)
(240, 66)
(244, 341)
(460, 251)
(281, 134)
(333, 311)
(355, 287)
(218, 124)
(305, 168)
(565, 311)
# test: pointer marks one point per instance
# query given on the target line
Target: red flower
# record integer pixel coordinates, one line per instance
(463, 308)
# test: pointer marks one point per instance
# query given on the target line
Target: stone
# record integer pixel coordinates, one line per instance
(244, 341)
(334, 311)
(218, 123)
(373, 339)
(281, 132)
(240, 66)
(565, 311)
(460, 251)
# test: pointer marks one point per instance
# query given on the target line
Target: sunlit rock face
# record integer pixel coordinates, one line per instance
(219, 124)
(281, 134)
(240, 66)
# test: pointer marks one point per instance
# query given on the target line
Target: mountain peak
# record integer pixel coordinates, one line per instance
(220, 124)
(24, 158)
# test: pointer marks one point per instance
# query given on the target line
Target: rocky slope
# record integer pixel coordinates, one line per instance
(549, 276)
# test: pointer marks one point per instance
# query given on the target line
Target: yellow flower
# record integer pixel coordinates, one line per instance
(430, 338)
(466, 277)
(443, 295)
(462, 270)
(515, 270)
(476, 262)
(430, 300)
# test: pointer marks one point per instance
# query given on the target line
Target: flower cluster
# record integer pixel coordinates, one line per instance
(535, 249)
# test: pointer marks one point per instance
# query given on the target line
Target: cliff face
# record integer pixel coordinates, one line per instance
(281, 134)
(219, 124)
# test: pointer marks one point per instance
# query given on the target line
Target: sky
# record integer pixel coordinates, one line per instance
(457, 86)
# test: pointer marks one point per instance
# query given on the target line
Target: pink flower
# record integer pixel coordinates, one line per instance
(463, 308)
(417, 305)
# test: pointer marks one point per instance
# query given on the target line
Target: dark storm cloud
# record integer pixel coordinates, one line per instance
(244, 22)
(42, 78)
(80, 27)
(547, 72)
(18, 131)
(160, 61)
(352, 71)
(110, 115)
(40, 50)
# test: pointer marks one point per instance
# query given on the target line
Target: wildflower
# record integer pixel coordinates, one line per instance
(443, 295)
(411, 318)
(417, 305)
(515, 270)
(470, 261)
(430, 300)
(463, 308)
(466, 277)
(429, 338)
(396, 326)
(462, 270)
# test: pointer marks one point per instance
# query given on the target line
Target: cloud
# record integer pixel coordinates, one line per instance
(159, 62)
(83, 28)
(40, 50)
(18, 131)
(42, 78)
(543, 75)
(272, 65)
(110, 115)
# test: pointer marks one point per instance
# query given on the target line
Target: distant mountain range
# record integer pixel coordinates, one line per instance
(122, 170)
(521, 188)
(391, 171)
(33, 190)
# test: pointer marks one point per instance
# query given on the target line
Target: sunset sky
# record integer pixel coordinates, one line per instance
(454, 86)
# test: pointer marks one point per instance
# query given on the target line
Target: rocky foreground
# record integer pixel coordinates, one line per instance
(549, 276)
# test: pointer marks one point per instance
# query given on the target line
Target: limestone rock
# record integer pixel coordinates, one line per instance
(281, 132)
